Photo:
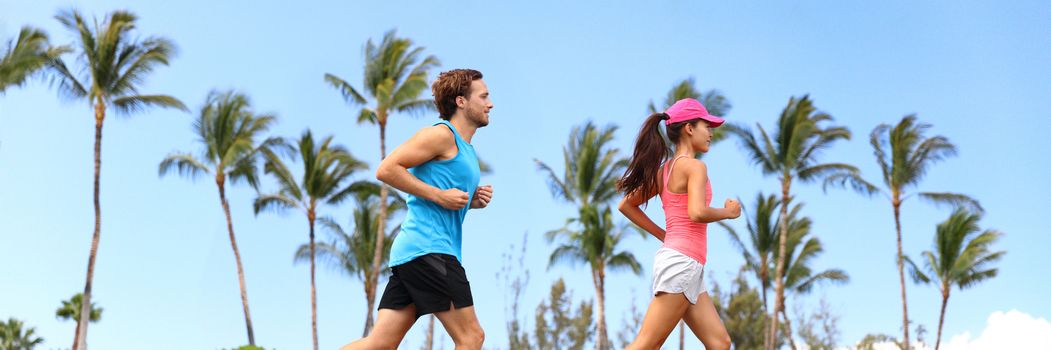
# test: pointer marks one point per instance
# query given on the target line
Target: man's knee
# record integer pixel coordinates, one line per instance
(473, 337)
(476, 336)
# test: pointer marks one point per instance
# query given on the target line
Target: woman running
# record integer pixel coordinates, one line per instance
(686, 193)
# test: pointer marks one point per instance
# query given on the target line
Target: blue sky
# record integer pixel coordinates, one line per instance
(977, 71)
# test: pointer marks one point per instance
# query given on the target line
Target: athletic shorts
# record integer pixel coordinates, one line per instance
(431, 282)
(674, 272)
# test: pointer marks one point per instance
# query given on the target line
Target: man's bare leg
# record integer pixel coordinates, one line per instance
(462, 325)
(391, 326)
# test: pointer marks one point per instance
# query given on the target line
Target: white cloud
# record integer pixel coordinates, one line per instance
(1013, 330)
(1006, 330)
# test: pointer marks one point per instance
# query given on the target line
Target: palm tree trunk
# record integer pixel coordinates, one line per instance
(430, 332)
(941, 319)
(601, 342)
(313, 288)
(369, 297)
(682, 335)
(901, 272)
(788, 330)
(786, 183)
(221, 182)
(77, 332)
(763, 284)
(80, 341)
(381, 227)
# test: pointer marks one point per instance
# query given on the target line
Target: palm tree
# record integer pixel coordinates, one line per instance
(13, 337)
(762, 234)
(592, 169)
(70, 310)
(716, 104)
(800, 278)
(595, 244)
(229, 131)
(351, 252)
(395, 77)
(325, 168)
(961, 256)
(792, 154)
(116, 63)
(26, 55)
(911, 155)
(759, 253)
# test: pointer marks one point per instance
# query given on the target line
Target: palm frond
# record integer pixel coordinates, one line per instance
(137, 60)
(624, 260)
(737, 242)
(758, 154)
(566, 254)
(68, 84)
(245, 170)
(138, 103)
(273, 202)
(327, 254)
(558, 188)
(29, 54)
(879, 146)
(822, 171)
(955, 200)
(851, 179)
(186, 165)
(276, 167)
(830, 276)
(350, 95)
(417, 107)
(917, 275)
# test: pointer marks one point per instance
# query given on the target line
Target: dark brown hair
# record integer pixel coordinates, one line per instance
(449, 85)
(650, 151)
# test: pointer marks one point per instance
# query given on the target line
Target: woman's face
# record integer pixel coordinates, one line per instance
(700, 135)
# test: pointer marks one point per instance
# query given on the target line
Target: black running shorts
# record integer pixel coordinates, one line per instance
(432, 282)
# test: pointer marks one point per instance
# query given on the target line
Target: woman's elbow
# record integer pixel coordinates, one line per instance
(623, 207)
(699, 217)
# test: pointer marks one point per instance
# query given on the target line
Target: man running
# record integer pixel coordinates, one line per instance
(439, 170)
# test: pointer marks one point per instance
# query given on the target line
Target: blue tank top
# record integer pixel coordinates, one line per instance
(428, 227)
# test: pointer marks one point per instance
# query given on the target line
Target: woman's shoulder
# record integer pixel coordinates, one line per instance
(692, 165)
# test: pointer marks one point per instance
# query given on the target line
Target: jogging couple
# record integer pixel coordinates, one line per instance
(439, 171)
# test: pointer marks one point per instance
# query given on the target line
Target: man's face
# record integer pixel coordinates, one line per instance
(476, 106)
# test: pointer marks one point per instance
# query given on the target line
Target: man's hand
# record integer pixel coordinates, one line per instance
(482, 196)
(452, 199)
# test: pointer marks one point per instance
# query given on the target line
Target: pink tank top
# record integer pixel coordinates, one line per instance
(682, 234)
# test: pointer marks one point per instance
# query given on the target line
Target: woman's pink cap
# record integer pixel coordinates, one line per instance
(689, 109)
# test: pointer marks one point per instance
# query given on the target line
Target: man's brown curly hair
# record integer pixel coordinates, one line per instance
(449, 85)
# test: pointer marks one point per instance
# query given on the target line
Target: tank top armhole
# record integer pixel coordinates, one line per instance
(667, 174)
(456, 141)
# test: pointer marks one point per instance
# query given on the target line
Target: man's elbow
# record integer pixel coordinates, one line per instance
(383, 173)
